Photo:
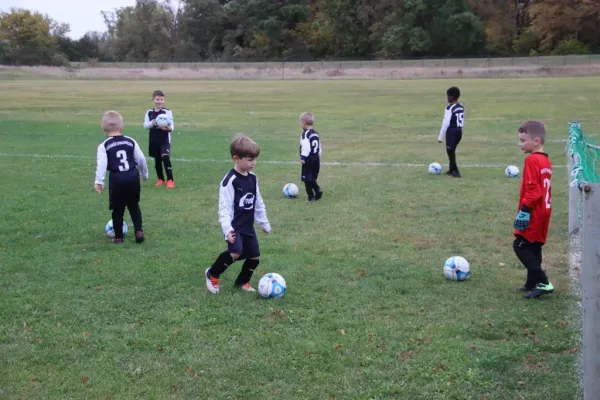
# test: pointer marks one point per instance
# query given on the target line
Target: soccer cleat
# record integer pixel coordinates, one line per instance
(319, 195)
(160, 182)
(539, 290)
(246, 287)
(311, 199)
(170, 184)
(212, 284)
(456, 174)
(450, 173)
(139, 236)
(117, 241)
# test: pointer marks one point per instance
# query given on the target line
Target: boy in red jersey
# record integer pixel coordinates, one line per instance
(533, 217)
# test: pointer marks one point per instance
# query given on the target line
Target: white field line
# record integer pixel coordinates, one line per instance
(276, 162)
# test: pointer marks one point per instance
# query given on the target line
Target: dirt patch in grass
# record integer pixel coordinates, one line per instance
(310, 73)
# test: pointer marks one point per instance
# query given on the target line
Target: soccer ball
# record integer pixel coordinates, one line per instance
(271, 286)
(110, 232)
(456, 268)
(162, 121)
(290, 191)
(511, 171)
(435, 168)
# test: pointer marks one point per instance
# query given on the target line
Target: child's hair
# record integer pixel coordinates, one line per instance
(242, 146)
(112, 121)
(308, 118)
(535, 129)
(158, 92)
(453, 92)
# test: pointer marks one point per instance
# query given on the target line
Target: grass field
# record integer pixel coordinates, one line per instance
(368, 313)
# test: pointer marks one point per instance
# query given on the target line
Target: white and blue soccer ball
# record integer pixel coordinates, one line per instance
(110, 232)
(456, 268)
(511, 171)
(163, 121)
(435, 168)
(290, 191)
(272, 286)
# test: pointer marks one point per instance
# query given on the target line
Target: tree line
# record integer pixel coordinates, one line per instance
(303, 30)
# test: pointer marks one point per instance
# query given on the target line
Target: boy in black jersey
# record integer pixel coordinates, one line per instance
(310, 156)
(159, 139)
(454, 120)
(240, 204)
(121, 156)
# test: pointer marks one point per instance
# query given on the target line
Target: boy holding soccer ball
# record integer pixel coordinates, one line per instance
(121, 155)
(240, 204)
(159, 139)
(535, 208)
(310, 156)
(452, 125)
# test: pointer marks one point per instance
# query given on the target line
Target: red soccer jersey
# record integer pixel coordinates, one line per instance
(536, 194)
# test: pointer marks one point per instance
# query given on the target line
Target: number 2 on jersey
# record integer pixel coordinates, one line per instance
(315, 145)
(122, 156)
(547, 198)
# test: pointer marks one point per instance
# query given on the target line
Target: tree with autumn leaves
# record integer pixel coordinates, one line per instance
(259, 30)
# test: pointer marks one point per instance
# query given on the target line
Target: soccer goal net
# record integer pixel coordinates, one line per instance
(584, 234)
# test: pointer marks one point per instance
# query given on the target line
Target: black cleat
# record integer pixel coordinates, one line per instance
(319, 195)
(139, 236)
(539, 290)
(311, 199)
(456, 174)
(117, 241)
(450, 173)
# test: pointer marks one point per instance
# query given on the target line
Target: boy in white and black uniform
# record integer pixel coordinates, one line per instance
(240, 205)
(121, 155)
(452, 126)
(310, 156)
(159, 139)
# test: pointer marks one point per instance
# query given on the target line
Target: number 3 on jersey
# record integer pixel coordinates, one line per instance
(122, 155)
(547, 197)
(460, 119)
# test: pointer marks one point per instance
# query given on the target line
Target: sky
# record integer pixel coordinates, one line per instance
(82, 15)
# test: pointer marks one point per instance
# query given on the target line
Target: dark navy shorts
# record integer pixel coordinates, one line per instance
(453, 137)
(157, 149)
(310, 169)
(245, 245)
(123, 191)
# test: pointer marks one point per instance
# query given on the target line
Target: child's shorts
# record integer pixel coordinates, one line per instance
(157, 149)
(245, 245)
(310, 169)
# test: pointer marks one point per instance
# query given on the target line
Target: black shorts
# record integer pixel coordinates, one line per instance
(310, 169)
(158, 149)
(123, 191)
(245, 245)
(453, 137)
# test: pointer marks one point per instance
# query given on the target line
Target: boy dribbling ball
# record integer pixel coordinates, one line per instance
(120, 155)
(240, 204)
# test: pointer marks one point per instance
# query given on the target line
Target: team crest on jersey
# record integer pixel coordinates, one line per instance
(247, 201)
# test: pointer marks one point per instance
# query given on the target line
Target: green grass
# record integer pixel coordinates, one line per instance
(368, 313)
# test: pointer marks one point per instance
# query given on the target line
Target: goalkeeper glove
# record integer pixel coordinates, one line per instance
(522, 220)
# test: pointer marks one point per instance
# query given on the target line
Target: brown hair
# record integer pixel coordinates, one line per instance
(535, 129)
(242, 146)
(112, 121)
(158, 93)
